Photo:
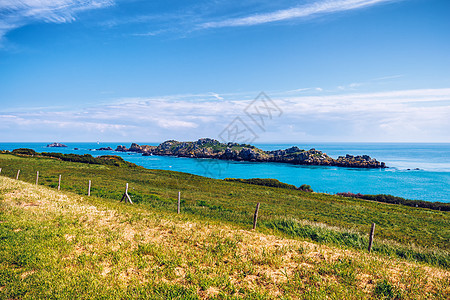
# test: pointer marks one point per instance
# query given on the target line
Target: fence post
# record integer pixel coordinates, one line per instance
(255, 217)
(372, 231)
(37, 177)
(126, 196)
(59, 183)
(89, 190)
(179, 203)
(18, 172)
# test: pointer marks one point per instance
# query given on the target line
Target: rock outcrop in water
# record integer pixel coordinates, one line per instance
(210, 148)
(121, 148)
(135, 148)
(104, 149)
(56, 145)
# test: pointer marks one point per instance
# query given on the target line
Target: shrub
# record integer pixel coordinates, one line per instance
(399, 200)
(112, 160)
(305, 188)
(385, 290)
(264, 182)
(24, 151)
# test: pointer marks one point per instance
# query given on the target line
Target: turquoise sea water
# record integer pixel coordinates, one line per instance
(431, 182)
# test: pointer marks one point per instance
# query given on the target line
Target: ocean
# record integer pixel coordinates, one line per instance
(416, 171)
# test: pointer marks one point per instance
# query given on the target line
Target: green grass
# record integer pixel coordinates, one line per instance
(60, 245)
(404, 232)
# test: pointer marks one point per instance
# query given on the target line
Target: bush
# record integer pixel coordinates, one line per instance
(111, 160)
(305, 188)
(264, 182)
(399, 200)
(385, 290)
(271, 183)
(24, 151)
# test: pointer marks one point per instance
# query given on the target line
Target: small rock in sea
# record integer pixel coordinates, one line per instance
(76, 149)
(56, 145)
(105, 149)
(121, 148)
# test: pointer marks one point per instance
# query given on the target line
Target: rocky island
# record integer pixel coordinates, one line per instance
(103, 149)
(210, 148)
(56, 145)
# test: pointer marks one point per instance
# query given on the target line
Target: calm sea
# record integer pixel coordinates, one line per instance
(431, 182)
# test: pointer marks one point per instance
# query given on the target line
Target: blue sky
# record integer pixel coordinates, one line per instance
(148, 71)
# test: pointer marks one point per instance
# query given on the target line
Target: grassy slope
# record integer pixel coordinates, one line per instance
(235, 202)
(62, 245)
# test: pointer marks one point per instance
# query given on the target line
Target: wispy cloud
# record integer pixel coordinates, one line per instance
(18, 13)
(304, 11)
(149, 33)
(404, 115)
(387, 78)
(217, 96)
(375, 81)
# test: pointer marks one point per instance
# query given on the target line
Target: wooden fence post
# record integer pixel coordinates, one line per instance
(89, 190)
(372, 231)
(255, 217)
(59, 183)
(125, 196)
(18, 172)
(37, 177)
(179, 203)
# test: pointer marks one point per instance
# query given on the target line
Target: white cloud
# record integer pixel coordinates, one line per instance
(17, 13)
(396, 116)
(217, 96)
(393, 116)
(150, 33)
(308, 10)
(175, 124)
(387, 78)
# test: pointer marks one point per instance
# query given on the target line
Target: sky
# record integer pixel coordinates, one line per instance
(243, 71)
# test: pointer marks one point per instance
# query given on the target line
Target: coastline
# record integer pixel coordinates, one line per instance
(430, 183)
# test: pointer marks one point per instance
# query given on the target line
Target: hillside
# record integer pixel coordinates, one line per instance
(282, 210)
(406, 238)
(62, 245)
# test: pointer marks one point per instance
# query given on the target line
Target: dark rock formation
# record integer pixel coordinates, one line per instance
(135, 148)
(121, 148)
(56, 145)
(210, 148)
(105, 149)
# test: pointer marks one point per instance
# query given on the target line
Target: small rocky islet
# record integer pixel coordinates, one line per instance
(56, 145)
(210, 148)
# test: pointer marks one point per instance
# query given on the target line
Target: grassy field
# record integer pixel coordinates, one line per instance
(233, 202)
(59, 245)
(85, 238)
